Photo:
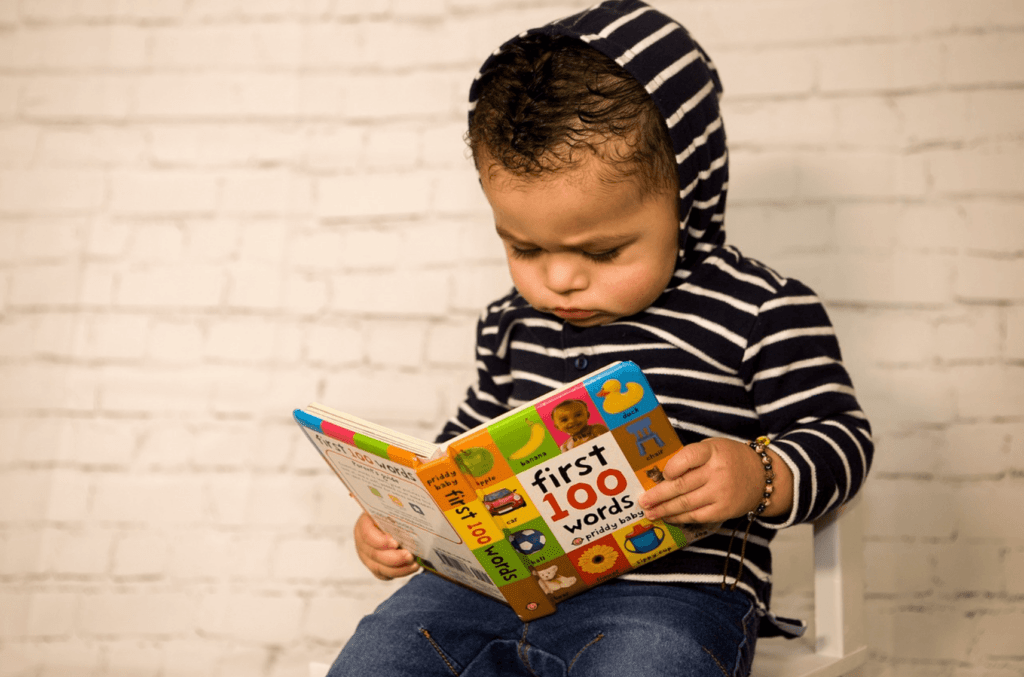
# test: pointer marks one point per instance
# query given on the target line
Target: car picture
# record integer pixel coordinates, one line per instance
(503, 501)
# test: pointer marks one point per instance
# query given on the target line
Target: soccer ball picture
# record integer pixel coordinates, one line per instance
(528, 541)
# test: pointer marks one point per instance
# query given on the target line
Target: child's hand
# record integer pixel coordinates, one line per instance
(715, 480)
(380, 553)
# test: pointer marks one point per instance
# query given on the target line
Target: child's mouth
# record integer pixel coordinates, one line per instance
(574, 314)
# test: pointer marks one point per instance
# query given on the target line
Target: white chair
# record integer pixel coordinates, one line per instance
(840, 645)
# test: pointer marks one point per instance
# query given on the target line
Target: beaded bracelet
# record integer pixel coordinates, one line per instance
(760, 445)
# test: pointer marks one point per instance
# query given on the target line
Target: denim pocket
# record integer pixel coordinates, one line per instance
(586, 646)
(449, 663)
(731, 648)
(745, 651)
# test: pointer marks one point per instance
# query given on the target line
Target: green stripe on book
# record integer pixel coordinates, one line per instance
(371, 445)
(502, 563)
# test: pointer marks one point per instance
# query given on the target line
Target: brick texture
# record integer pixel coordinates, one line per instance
(212, 211)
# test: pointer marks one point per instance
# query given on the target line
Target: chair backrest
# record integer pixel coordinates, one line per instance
(840, 640)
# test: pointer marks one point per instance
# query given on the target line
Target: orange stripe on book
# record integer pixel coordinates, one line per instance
(403, 457)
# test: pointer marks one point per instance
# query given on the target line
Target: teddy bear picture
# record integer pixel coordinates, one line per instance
(551, 580)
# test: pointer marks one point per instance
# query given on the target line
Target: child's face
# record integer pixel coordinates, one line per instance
(570, 418)
(587, 251)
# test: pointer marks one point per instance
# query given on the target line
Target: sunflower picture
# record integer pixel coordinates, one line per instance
(598, 559)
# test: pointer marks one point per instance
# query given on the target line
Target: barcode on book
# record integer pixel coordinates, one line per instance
(461, 566)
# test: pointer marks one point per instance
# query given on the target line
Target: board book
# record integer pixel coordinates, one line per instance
(531, 508)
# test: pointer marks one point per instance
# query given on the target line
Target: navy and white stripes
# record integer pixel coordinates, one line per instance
(735, 352)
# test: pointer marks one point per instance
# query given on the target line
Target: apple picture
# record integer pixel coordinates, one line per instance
(475, 461)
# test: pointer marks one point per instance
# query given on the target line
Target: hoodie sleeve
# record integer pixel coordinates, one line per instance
(806, 403)
(488, 397)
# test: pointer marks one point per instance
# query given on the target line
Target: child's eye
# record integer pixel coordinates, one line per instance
(605, 256)
(523, 253)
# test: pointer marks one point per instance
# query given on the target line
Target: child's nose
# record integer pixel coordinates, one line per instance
(564, 274)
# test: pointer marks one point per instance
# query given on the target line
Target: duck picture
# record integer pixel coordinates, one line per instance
(616, 401)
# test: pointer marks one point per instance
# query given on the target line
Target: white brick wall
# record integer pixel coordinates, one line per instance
(213, 211)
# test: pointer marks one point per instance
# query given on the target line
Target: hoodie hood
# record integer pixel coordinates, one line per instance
(681, 79)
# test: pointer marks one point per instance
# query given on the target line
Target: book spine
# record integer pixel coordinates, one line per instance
(456, 496)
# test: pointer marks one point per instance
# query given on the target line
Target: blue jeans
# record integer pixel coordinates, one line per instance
(431, 627)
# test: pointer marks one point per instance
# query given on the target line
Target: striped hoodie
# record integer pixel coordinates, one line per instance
(732, 348)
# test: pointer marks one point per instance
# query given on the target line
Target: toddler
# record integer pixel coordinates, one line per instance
(601, 149)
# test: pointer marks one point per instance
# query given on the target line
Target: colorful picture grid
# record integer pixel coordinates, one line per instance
(561, 478)
(617, 400)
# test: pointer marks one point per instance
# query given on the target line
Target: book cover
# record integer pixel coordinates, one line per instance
(562, 474)
(530, 508)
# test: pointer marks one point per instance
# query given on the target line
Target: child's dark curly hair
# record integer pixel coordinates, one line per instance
(547, 97)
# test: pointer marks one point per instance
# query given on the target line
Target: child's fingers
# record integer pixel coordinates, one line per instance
(380, 553)
(682, 475)
(399, 572)
(386, 563)
(368, 532)
(694, 506)
(688, 458)
(671, 488)
(392, 559)
(696, 517)
(677, 504)
(387, 572)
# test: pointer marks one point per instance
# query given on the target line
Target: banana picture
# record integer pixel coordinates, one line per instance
(537, 432)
